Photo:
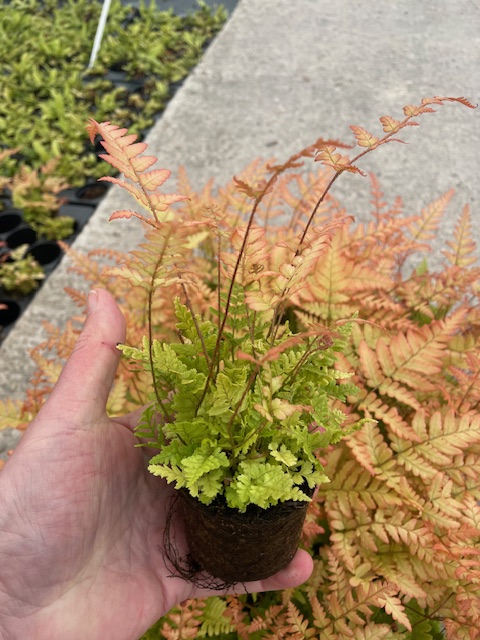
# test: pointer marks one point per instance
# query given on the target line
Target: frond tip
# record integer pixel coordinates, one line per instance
(125, 155)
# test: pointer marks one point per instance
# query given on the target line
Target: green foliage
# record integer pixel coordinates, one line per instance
(50, 228)
(36, 193)
(20, 273)
(46, 93)
(252, 436)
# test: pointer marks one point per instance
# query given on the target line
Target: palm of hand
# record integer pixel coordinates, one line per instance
(95, 528)
(82, 520)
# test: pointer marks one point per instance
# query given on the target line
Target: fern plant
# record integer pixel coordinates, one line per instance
(240, 402)
(395, 535)
(19, 272)
(36, 192)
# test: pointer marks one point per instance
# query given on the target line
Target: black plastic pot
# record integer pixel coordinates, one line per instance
(10, 311)
(23, 234)
(117, 69)
(46, 253)
(9, 220)
(13, 306)
(5, 203)
(134, 14)
(90, 194)
(120, 79)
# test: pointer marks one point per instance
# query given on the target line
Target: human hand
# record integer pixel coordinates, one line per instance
(82, 520)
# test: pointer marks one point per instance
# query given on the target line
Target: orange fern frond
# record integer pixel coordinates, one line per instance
(426, 225)
(364, 138)
(389, 417)
(462, 247)
(183, 622)
(298, 625)
(124, 154)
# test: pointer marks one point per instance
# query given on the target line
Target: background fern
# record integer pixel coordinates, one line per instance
(395, 536)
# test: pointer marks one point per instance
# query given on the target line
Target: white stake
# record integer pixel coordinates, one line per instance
(99, 34)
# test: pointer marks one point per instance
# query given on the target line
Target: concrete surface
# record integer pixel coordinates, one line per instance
(282, 73)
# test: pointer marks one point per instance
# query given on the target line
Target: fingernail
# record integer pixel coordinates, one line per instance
(92, 300)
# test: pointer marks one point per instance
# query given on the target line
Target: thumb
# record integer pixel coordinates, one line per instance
(87, 377)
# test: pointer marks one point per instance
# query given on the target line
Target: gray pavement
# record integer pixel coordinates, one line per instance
(281, 74)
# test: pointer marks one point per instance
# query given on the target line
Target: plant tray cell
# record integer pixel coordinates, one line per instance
(45, 253)
(9, 311)
(9, 222)
(21, 235)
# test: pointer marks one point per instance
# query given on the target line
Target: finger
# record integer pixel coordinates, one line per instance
(87, 377)
(130, 420)
(295, 573)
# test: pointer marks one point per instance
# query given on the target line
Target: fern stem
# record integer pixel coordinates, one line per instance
(150, 356)
(151, 290)
(257, 431)
(194, 318)
(296, 213)
(429, 616)
(251, 328)
(248, 386)
(315, 209)
(214, 363)
(308, 352)
(141, 401)
(219, 279)
(386, 138)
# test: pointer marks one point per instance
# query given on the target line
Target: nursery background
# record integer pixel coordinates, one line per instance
(280, 74)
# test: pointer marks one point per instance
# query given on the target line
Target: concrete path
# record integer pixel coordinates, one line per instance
(281, 74)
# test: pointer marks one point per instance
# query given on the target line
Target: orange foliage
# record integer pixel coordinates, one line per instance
(396, 535)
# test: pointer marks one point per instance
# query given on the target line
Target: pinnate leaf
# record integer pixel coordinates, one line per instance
(364, 138)
(124, 154)
(205, 459)
(154, 179)
(125, 213)
(395, 608)
(282, 454)
(162, 201)
(390, 125)
(139, 196)
(298, 624)
(336, 161)
(141, 164)
(463, 247)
